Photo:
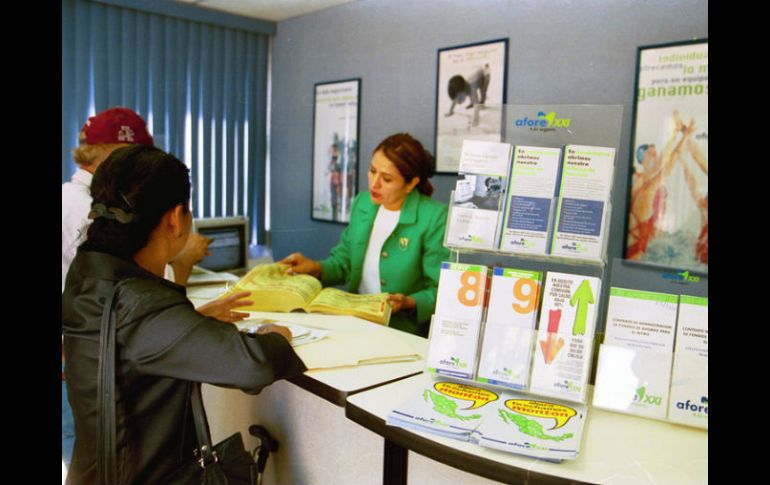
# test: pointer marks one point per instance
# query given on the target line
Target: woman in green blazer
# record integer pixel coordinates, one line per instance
(394, 242)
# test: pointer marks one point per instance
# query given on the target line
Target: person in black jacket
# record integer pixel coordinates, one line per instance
(141, 220)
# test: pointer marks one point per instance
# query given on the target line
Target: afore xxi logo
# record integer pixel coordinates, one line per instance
(643, 397)
(543, 122)
(702, 407)
(683, 277)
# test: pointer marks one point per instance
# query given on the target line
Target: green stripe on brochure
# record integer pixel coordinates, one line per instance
(521, 273)
(694, 300)
(644, 295)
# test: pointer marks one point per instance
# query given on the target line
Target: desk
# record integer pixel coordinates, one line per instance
(335, 385)
(616, 449)
(318, 445)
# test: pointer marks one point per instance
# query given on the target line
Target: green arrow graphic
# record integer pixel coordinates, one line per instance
(582, 298)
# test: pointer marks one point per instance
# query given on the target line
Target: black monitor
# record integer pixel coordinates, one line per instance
(229, 245)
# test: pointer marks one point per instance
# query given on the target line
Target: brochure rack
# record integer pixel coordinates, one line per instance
(550, 126)
(623, 381)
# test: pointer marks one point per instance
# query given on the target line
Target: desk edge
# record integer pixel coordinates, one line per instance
(335, 396)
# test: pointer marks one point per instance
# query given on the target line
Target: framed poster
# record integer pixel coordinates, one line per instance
(668, 188)
(470, 94)
(335, 149)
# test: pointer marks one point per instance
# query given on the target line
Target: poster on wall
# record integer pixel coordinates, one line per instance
(470, 94)
(668, 202)
(335, 149)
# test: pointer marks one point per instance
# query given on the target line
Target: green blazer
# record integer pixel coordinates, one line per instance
(410, 260)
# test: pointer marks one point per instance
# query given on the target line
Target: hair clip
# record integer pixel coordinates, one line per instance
(112, 213)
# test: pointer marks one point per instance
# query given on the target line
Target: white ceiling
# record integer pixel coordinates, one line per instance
(274, 10)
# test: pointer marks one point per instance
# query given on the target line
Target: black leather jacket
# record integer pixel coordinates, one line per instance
(163, 345)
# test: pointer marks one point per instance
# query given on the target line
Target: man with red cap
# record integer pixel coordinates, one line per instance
(101, 135)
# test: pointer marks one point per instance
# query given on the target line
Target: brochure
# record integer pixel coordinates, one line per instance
(689, 402)
(541, 428)
(634, 369)
(479, 191)
(444, 407)
(586, 183)
(454, 333)
(565, 336)
(509, 329)
(530, 197)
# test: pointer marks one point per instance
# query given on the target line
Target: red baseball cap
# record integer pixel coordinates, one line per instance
(116, 125)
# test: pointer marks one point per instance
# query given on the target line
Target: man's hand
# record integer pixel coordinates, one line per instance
(196, 248)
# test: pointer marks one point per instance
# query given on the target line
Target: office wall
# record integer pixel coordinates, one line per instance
(560, 52)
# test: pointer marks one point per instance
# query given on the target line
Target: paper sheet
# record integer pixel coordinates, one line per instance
(342, 349)
(300, 335)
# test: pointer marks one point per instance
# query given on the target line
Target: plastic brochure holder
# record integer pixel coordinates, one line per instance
(515, 357)
(631, 380)
(545, 258)
(640, 382)
(507, 368)
(551, 126)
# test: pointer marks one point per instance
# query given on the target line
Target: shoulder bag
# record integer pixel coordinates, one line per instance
(226, 463)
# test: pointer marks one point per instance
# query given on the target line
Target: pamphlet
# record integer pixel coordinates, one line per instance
(541, 428)
(689, 402)
(634, 369)
(586, 183)
(444, 407)
(565, 336)
(509, 330)
(479, 191)
(454, 332)
(530, 197)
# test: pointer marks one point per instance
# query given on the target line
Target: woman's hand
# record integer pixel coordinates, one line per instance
(273, 328)
(400, 302)
(301, 264)
(222, 308)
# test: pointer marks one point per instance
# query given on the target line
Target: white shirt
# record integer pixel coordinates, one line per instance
(75, 206)
(384, 224)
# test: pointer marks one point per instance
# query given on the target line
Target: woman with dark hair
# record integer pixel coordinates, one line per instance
(394, 242)
(141, 220)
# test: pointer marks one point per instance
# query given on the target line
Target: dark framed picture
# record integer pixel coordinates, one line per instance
(335, 149)
(667, 222)
(470, 97)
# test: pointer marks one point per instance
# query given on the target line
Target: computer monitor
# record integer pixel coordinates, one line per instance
(229, 245)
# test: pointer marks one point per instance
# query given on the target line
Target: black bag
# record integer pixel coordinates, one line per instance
(233, 467)
(227, 463)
